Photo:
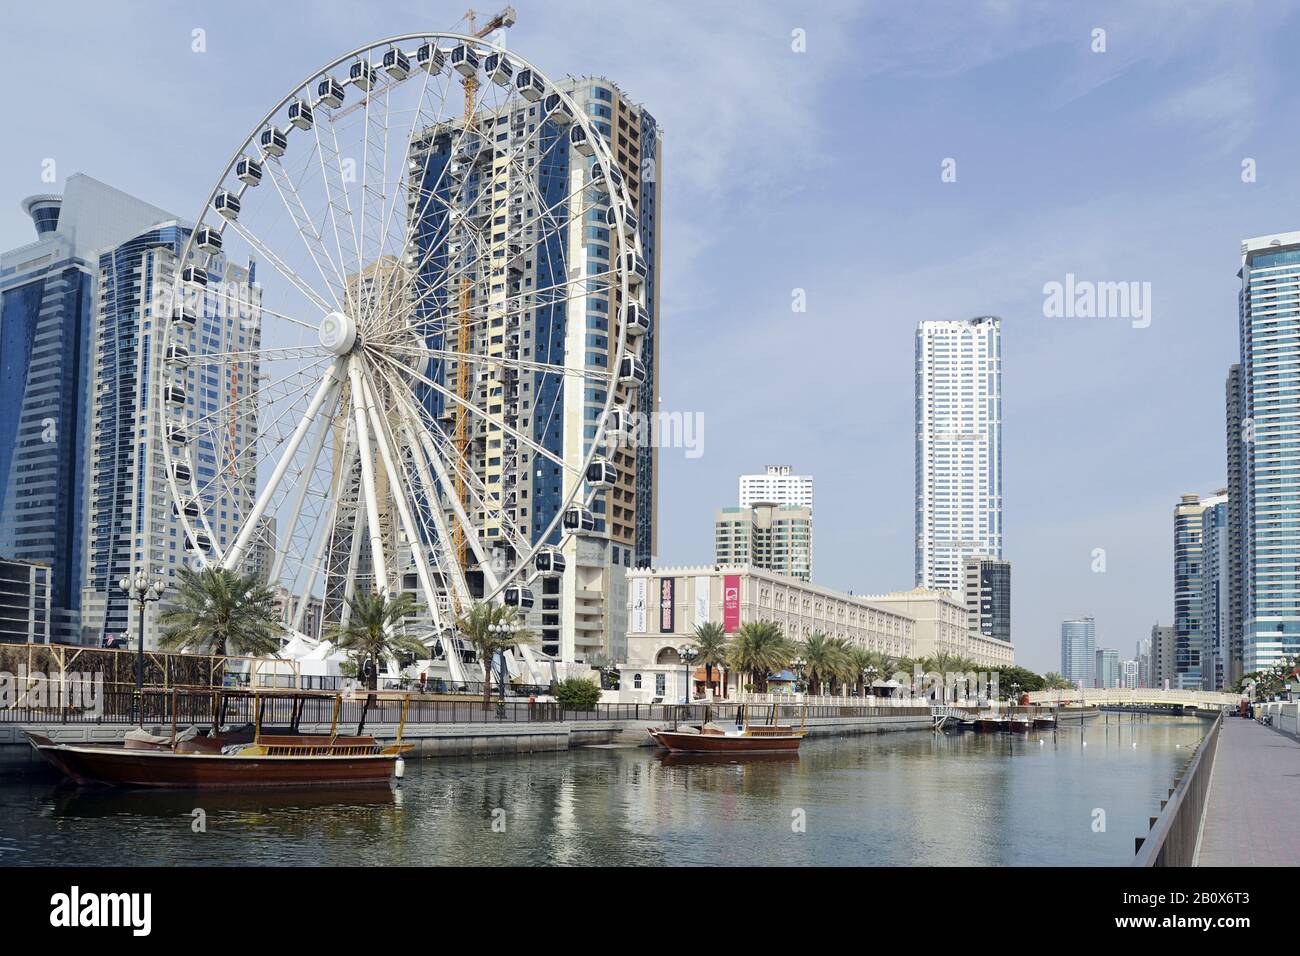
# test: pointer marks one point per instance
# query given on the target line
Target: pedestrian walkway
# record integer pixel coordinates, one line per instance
(1250, 819)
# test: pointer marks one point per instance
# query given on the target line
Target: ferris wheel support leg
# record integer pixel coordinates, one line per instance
(237, 550)
(453, 570)
(377, 557)
(397, 481)
(300, 493)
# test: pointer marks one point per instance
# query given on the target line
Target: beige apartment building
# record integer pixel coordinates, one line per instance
(942, 626)
(766, 535)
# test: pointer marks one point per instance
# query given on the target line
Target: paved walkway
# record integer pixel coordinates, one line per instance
(1251, 818)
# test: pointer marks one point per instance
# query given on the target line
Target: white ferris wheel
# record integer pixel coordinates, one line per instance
(380, 403)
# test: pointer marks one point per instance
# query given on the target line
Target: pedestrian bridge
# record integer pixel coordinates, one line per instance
(1120, 696)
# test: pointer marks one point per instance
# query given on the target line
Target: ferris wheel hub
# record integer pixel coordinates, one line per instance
(338, 333)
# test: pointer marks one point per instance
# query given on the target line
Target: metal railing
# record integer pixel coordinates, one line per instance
(1171, 840)
(114, 705)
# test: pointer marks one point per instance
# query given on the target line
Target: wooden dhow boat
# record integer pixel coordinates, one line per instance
(191, 761)
(744, 738)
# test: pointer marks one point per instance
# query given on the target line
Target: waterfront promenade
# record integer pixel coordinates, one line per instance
(1249, 817)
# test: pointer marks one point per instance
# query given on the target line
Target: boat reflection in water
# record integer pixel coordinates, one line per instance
(670, 758)
(73, 802)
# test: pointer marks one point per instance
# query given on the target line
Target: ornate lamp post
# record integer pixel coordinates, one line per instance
(504, 628)
(798, 664)
(870, 673)
(688, 655)
(142, 591)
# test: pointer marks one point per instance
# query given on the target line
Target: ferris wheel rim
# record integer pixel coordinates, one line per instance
(628, 242)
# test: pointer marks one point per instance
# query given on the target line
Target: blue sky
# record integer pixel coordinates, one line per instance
(821, 171)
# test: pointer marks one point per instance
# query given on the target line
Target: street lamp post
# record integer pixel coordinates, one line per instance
(142, 591)
(688, 655)
(871, 680)
(798, 664)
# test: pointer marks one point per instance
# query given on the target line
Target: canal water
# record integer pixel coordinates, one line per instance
(1077, 796)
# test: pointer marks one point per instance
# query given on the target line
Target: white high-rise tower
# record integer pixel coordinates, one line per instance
(958, 447)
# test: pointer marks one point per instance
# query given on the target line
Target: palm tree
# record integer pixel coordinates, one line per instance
(222, 612)
(374, 630)
(758, 649)
(711, 651)
(487, 627)
(824, 659)
(1055, 681)
(858, 659)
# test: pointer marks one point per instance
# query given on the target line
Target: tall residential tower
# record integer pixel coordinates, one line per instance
(48, 294)
(1269, 409)
(522, 168)
(958, 448)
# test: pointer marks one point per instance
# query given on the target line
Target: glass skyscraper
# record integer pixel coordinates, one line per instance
(132, 521)
(47, 302)
(958, 448)
(1215, 571)
(1269, 326)
(1079, 651)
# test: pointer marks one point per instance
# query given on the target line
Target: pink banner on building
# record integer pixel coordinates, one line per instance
(730, 602)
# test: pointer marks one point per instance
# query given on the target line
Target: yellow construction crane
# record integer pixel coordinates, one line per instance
(503, 20)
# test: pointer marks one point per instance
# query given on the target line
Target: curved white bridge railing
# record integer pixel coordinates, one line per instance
(1140, 695)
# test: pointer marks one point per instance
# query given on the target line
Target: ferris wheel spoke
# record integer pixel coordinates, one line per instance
(404, 187)
(256, 395)
(468, 127)
(285, 353)
(457, 506)
(486, 416)
(327, 386)
(298, 282)
(544, 214)
(368, 490)
(600, 376)
(374, 161)
(319, 560)
(303, 484)
(491, 506)
(306, 228)
(410, 429)
(573, 289)
(335, 193)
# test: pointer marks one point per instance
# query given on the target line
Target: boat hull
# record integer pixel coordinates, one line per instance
(111, 766)
(726, 743)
